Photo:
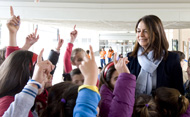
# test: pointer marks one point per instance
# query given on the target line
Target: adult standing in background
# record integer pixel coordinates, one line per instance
(102, 57)
(150, 61)
(110, 53)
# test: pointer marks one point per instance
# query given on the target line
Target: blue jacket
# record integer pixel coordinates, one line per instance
(169, 71)
(86, 103)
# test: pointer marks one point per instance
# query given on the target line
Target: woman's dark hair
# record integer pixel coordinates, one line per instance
(15, 72)
(157, 36)
(145, 106)
(61, 100)
(107, 80)
(181, 54)
(170, 102)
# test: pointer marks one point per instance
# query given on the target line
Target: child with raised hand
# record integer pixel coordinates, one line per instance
(88, 95)
(13, 25)
(25, 99)
(171, 103)
(117, 97)
(72, 57)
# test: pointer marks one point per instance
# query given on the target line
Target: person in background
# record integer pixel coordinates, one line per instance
(102, 57)
(88, 52)
(182, 62)
(187, 83)
(110, 53)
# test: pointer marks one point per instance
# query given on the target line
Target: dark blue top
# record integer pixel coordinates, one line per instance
(169, 71)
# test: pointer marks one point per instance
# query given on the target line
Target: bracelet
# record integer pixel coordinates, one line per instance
(35, 82)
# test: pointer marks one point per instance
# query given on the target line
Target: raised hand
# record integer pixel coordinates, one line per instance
(120, 65)
(13, 23)
(60, 43)
(42, 70)
(89, 69)
(30, 40)
(73, 35)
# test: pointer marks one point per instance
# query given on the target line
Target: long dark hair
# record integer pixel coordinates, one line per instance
(61, 100)
(157, 36)
(15, 72)
(107, 80)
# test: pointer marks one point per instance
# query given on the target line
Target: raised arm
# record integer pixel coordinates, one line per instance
(13, 25)
(30, 40)
(88, 96)
(67, 56)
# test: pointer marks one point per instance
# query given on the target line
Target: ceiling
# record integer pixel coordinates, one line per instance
(101, 15)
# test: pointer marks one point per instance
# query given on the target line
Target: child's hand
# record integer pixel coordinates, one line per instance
(42, 70)
(89, 69)
(13, 23)
(30, 40)
(73, 35)
(59, 45)
(120, 65)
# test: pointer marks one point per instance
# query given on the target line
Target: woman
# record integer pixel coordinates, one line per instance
(150, 60)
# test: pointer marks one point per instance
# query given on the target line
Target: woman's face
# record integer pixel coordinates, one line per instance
(114, 78)
(142, 35)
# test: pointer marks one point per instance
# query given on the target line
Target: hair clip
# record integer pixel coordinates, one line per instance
(63, 100)
(146, 105)
(107, 67)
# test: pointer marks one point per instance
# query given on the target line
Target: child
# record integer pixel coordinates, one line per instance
(171, 103)
(117, 97)
(24, 100)
(145, 106)
(72, 57)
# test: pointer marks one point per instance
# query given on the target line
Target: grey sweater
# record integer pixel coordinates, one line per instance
(22, 103)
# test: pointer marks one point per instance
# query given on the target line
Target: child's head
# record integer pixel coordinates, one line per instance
(61, 100)
(170, 102)
(88, 51)
(99, 70)
(77, 56)
(77, 77)
(15, 72)
(109, 76)
(181, 57)
(145, 106)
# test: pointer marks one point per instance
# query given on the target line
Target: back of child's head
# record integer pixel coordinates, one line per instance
(145, 106)
(170, 102)
(61, 100)
(77, 56)
(2, 55)
(76, 76)
(15, 72)
(106, 74)
(181, 55)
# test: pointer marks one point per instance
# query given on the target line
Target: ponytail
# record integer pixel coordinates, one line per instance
(184, 103)
(145, 107)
